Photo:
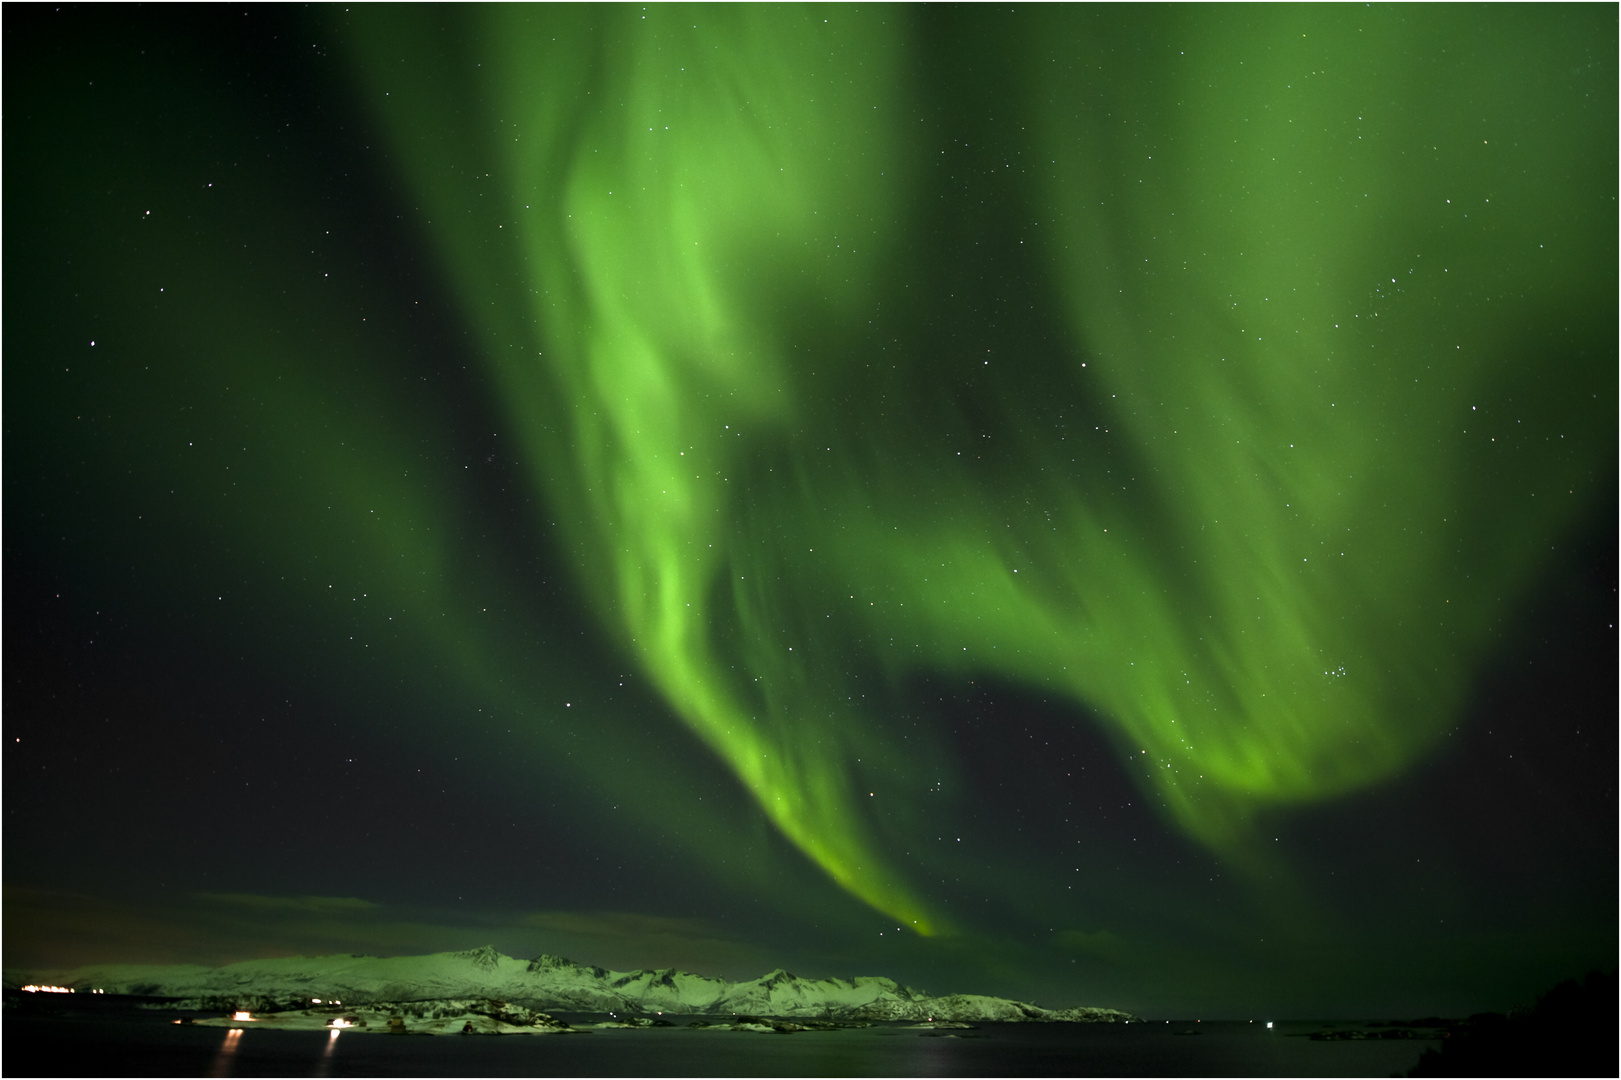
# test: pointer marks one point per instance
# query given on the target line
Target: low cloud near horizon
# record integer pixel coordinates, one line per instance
(50, 933)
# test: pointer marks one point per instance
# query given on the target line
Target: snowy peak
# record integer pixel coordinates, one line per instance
(483, 957)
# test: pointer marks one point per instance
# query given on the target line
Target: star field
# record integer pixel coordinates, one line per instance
(1112, 491)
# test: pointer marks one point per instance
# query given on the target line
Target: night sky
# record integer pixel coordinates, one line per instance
(1105, 506)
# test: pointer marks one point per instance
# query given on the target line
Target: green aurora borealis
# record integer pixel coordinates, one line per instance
(1225, 382)
(1201, 631)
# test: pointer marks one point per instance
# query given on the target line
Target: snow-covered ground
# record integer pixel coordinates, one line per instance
(547, 982)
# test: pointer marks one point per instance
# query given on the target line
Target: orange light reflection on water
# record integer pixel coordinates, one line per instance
(227, 1051)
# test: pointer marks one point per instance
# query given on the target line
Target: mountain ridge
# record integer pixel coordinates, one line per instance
(555, 983)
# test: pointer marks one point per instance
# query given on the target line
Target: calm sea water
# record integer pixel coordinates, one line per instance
(146, 1044)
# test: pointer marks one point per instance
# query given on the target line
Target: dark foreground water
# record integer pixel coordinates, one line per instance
(146, 1044)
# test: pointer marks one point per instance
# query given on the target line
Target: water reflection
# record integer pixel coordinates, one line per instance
(227, 1052)
(324, 1066)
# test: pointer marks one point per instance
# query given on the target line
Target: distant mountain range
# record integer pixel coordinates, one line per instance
(551, 982)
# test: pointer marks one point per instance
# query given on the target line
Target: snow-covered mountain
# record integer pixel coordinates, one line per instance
(551, 982)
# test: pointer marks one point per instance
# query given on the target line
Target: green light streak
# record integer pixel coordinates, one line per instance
(1326, 476)
(655, 229)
